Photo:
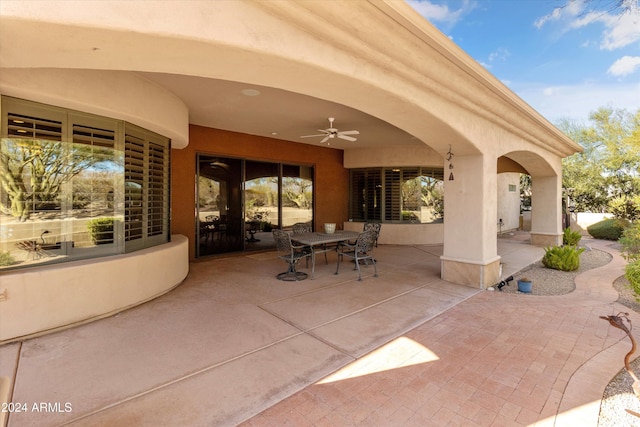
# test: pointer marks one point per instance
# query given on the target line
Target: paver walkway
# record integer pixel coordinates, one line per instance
(496, 359)
(405, 348)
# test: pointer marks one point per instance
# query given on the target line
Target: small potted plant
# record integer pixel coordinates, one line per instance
(524, 285)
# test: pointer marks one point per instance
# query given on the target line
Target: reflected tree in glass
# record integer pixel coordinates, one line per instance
(33, 172)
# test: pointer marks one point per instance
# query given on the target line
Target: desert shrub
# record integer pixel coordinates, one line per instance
(625, 207)
(630, 242)
(632, 272)
(570, 237)
(608, 229)
(6, 258)
(565, 258)
(101, 230)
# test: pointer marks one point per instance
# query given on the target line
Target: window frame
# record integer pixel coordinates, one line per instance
(376, 194)
(77, 128)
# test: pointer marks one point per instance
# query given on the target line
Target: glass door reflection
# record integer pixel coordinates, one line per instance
(219, 224)
(261, 211)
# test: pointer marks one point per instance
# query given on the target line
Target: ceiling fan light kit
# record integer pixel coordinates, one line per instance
(332, 132)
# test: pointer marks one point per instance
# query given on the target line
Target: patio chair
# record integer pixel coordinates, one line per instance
(305, 227)
(301, 227)
(375, 226)
(362, 250)
(290, 253)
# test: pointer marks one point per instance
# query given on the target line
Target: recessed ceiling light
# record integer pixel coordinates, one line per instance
(250, 92)
(274, 133)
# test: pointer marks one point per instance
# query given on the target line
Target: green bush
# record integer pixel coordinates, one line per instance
(565, 258)
(6, 258)
(101, 230)
(630, 242)
(570, 237)
(625, 207)
(632, 272)
(608, 229)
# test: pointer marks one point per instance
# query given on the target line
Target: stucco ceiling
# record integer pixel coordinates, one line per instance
(275, 113)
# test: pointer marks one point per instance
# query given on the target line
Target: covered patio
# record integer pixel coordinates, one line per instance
(232, 340)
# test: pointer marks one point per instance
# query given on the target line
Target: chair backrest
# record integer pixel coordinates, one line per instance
(283, 243)
(375, 226)
(301, 227)
(366, 241)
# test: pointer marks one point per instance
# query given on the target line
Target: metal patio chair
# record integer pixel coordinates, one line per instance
(362, 250)
(290, 253)
(375, 226)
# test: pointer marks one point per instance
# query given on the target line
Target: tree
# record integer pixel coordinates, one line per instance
(32, 172)
(609, 166)
(297, 192)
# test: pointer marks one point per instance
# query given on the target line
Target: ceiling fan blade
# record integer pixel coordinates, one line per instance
(312, 136)
(348, 138)
(326, 138)
(349, 132)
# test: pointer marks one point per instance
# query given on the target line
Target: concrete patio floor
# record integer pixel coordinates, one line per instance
(234, 345)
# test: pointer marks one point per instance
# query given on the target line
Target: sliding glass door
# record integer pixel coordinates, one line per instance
(240, 201)
(219, 222)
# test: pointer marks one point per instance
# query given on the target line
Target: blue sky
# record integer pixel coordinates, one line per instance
(565, 58)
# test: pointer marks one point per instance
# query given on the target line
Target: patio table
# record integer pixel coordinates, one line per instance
(315, 240)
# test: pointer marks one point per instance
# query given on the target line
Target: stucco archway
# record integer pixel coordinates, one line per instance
(546, 189)
(396, 67)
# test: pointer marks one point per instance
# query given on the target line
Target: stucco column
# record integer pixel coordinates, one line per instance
(470, 207)
(546, 207)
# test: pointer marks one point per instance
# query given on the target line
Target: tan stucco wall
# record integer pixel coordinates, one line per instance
(115, 94)
(332, 179)
(405, 234)
(415, 155)
(43, 299)
(508, 201)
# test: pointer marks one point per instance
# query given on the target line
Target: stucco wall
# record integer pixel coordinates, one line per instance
(508, 201)
(332, 179)
(405, 234)
(42, 299)
(415, 155)
(115, 94)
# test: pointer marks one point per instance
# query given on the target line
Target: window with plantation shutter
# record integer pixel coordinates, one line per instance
(366, 195)
(133, 187)
(156, 197)
(146, 188)
(413, 194)
(32, 127)
(75, 185)
(392, 200)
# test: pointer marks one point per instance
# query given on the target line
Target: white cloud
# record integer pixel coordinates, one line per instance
(621, 29)
(442, 13)
(499, 54)
(571, 9)
(577, 101)
(625, 66)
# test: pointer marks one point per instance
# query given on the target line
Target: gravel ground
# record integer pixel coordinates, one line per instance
(618, 396)
(547, 281)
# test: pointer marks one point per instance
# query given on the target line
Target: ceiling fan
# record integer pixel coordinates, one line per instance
(332, 132)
